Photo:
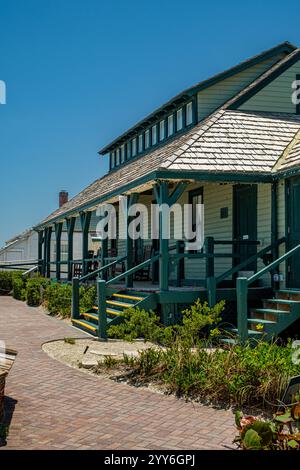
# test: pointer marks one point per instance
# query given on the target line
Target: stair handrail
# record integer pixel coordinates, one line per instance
(133, 270)
(212, 281)
(242, 292)
(102, 269)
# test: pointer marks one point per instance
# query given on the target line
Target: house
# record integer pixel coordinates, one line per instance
(232, 143)
(22, 251)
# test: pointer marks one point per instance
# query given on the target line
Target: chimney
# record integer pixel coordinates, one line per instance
(63, 198)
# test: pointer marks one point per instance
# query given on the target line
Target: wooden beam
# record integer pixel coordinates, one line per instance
(70, 230)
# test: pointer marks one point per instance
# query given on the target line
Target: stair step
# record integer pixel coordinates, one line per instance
(114, 312)
(118, 304)
(91, 316)
(128, 297)
(85, 324)
(282, 301)
(288, 291)
(261, 321)
(250, 332)
(269, 310)
(231, 341)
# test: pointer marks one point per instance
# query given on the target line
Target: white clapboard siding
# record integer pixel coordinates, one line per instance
(216, 95)
(277, 95)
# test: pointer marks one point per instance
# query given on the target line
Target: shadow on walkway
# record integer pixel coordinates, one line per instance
(9, 408)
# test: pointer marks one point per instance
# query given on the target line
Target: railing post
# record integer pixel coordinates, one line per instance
(242, 308)
(75, 298)
(210, 260)
(211, 285)
(102, 315)
(180, 263)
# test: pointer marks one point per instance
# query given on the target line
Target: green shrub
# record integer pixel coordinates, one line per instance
(142, 324)
(58, 299)
(6, 282)
(19, 288)
(137, 324)
(240, 376)
(88, 298)
(35, 289)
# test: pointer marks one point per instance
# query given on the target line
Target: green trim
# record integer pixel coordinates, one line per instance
(167, 174)
(58, 232)
(70, 231)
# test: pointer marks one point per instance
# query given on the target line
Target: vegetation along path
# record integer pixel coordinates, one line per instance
(53, 406)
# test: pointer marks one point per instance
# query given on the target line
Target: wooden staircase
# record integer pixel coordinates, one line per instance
(275, 316)
(116, 305)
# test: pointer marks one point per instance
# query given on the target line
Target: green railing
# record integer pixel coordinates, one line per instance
(242, 292)
(212, 281)
(101, 290)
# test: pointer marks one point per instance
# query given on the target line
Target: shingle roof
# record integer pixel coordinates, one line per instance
(237, 141)
(227, 141)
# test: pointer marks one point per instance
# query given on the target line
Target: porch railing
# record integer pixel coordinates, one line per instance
(212, 281)
(242, 292)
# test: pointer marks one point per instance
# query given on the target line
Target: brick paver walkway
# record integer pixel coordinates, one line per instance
(56, 407)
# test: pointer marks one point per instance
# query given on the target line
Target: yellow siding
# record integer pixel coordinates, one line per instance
(277, 96)
(216, 95)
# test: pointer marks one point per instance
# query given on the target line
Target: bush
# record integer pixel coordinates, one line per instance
(19, 288)
(58, 299)
(88, 298)
(141, 324)
(35, 289)
(6, 278)
(242, 376)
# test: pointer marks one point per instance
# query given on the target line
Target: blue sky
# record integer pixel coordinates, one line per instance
(78, 73)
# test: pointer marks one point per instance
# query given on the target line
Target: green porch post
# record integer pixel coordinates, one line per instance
(40, 252)
(48, 252)
(104, 254)
(75, 299)
(70, 230)
(85, 219)
(242, 308)
(131, 200)
(161, 191)
(274, 230)
(58, 232)
(210, 261)
(180, 263)
(102, 315)
(45, 236)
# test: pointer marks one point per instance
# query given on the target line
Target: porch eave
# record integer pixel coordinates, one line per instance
(163, 174)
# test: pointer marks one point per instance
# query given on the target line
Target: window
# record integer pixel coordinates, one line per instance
(170, 125)
(189, 113)
(112, 159)
(147, 139)
(162, 130)
(64, 251)
(133, 147)
(141, 146)
(122, 153)
(195, 197)
(154, 135)
(117, 157)
(128, 150)
(179, 119)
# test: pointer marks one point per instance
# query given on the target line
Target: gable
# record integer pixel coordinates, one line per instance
(277, 95)
(216, 95)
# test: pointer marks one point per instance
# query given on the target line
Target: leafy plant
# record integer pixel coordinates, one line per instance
(137, 324)
(58, 299)
(18, 288)
(70, 341)
(88, 298)
(35, 289)
(280, 433)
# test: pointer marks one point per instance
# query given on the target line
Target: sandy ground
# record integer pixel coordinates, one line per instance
(87, 353)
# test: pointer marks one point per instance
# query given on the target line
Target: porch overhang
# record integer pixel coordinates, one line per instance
(147, 181)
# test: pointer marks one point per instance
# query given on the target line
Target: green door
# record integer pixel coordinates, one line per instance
(245, 223)
(293, 230)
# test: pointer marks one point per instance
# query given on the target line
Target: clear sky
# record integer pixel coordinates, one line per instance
(79, 73)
